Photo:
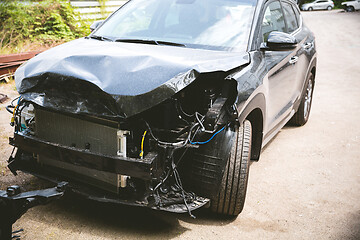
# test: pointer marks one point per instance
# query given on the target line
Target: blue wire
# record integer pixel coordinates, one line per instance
(222, 129)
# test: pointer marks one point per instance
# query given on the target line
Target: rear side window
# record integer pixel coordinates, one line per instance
(273, 20)
(290, 17)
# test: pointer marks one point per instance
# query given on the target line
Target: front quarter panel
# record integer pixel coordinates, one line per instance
(250, 81)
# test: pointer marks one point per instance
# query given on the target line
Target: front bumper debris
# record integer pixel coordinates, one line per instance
(144, 169)
(138, 168)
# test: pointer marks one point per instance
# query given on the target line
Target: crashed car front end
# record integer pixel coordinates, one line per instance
(126, 148)
(129, 113)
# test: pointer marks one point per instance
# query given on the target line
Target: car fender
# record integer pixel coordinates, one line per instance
(255, 111)
(258, 101)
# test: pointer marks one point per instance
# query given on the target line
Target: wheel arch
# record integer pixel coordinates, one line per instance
(313, 67)
(254, 111)
(313, 71)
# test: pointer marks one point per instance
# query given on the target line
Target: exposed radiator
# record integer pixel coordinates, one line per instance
(74, 132)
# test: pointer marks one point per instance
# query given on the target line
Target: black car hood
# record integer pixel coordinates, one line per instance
(136, 76)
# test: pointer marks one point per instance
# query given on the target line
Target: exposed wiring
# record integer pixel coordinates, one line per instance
(12, 121)
(172, 171)
(175, 166)
(12, 102)
(8, 108)
(17, 105)
(197, 125)
(200, 121)
(174, 144)
(222, 129)
(186, 149)
(191, 131)
(179, 183)
(142, 145)
(178, 107)
(162, 181)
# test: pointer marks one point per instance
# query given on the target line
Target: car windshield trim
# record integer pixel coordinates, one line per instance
(149, 41)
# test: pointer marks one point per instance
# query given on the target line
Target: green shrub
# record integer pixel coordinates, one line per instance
(48, 21)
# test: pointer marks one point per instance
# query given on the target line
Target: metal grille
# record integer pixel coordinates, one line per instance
(73, 132)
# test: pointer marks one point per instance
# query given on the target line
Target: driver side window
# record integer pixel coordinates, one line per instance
(273, 20)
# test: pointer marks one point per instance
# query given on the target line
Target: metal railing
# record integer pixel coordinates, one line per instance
(10, 62)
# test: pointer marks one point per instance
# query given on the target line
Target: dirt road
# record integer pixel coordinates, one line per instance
(305, 186)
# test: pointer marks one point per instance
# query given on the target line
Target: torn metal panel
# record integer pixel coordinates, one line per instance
(138, 77)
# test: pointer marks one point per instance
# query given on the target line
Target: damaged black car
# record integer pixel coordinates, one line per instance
(166, 102)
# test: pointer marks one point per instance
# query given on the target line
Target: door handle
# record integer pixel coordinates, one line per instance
(308, 45)
(293, 60)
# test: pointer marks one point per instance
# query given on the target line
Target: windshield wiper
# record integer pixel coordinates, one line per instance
(137, 41)
(154, 42)
(171, 44)
(101, 38)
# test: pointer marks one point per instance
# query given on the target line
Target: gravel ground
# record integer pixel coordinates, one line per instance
(305, 186)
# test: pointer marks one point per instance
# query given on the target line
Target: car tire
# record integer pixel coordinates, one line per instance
(310, 9)
(350, 9)
(231, 196)
(329, 8)
(302, 115)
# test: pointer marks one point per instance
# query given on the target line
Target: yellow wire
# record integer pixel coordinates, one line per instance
(15, 110)
(13, 116)
(142, 145)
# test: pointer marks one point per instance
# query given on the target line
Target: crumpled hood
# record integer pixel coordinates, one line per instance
(123, 70)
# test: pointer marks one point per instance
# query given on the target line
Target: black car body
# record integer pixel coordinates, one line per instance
(172, 125)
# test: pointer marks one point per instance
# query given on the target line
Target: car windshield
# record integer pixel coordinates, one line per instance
(206, 24)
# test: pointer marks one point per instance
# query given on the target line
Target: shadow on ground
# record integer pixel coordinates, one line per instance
(76, 214)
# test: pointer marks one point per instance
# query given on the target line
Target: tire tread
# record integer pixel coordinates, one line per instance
(231, 197)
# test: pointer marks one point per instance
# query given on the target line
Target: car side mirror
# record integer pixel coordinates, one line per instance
(95, 25)
(279, 41)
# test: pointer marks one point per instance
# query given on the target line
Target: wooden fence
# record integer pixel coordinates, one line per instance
(93, 10)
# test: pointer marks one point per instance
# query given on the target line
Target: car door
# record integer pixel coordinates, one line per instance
(357, 5)
(306, 44)
(317, 4)
(323, 4)
(281, 67)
